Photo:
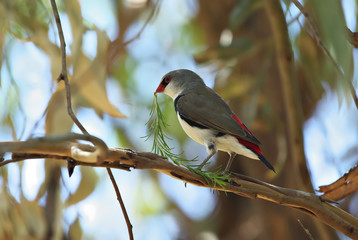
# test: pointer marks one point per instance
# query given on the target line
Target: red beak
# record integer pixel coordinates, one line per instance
(160, 88)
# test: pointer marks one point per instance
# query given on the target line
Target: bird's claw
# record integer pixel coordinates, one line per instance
(200, 167)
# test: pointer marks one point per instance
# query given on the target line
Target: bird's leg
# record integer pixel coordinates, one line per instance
(206, 160)
(211, 149)
(232, 156)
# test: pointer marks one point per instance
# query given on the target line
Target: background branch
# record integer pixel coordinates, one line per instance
(318, 38)
(293, 108)
(319, 207)
(292, 100)
(116, 46)
(353, 38)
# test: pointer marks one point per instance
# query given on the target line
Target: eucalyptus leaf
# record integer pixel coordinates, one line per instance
(242, 11)
(88, 183)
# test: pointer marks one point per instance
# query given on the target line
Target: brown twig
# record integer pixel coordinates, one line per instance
(117, 47)
(144, 25)
(119, 198)
(318, 38)
(305, 229)
(352, 38)
(63, 76)
(308, 203)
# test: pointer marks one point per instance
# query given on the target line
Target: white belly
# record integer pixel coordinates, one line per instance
(197, 134)
(226, 143)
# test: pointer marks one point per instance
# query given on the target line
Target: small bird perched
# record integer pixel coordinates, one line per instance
(207, 119)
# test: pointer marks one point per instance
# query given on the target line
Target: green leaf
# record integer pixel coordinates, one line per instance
(332, 26)
(242, 11)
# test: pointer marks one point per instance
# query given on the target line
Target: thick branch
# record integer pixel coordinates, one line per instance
(311, 204)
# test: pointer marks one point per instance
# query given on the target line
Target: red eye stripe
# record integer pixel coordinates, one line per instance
(165, 81)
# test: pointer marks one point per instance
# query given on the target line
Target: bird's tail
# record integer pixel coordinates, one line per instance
(256, 149)
(264, 160)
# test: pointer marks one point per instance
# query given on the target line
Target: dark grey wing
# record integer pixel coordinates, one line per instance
(204, 108)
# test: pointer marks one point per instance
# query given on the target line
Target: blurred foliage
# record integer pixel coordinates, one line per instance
(247, 76)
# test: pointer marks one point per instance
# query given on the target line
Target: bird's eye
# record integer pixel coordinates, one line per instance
(166, 80)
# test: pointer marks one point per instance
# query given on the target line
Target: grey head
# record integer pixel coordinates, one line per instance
(178, 81)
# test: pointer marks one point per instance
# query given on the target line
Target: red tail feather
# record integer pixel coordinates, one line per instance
(253, 147)
(250, 145)
(241, 123)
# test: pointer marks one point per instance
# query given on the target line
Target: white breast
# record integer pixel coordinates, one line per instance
(199, 135)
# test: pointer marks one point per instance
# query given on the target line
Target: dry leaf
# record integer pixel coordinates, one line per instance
(343, 187)
(87, 185)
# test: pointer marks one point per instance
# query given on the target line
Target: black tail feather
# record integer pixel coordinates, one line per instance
(264, 160)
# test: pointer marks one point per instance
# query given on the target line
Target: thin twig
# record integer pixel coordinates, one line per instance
(305, 229)
(352, 37)
(294, 19)
(63, 76)
(117, 48)
(318, 38)
(121, 203)
(119, 198)
(144, 25)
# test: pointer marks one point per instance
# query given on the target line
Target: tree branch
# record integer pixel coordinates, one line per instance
(63, 76)
(293, 108)
(316, 206)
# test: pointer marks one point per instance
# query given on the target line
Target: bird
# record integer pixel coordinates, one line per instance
(207, 118)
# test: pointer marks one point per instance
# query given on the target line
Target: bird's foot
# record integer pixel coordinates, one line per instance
(225, 173)
(200, 166)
